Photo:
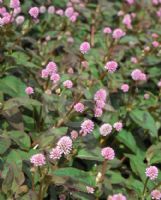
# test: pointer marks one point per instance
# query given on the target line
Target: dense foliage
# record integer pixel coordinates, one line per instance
(80, 99)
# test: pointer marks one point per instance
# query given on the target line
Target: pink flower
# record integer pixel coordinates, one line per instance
(87, 127)
(29, 90)
(107, 30)
(60, 12)
(108, 153)
(152, 172)
(130, 2)
(98, 112)
(138, 75)
(155, 2)
(100, 104)
(38, 160)
(16, 11)
(55, 154)
(69, 12)
(120, 13)
(65, 145)
(146, 96)
(111, 66)
(51, 67)
(117, 197)
(84, 64)
(68, 84)
(159, 83)
(125, 87)
(105, 129)
(118, 126)
(79, 107)
(44, 73)
(34, 12)
(127, 21)
(118, 33)
(84, 47)
(90, 190)
(42, 9)
(14, 3)
(100, 95)
(134, 60)
(74, 134)
(20, 20)
(156, 194)
(155, 44)
(155, 35)
(70, 40)
(147, 48)
(55, 78)
(51, 9)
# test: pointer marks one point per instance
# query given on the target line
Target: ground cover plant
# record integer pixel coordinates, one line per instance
(80, 99)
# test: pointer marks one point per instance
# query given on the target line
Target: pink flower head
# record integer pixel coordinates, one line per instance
(134, 60)
(55, 78)
(152, 172)
(155, 2)
(65, 145)
(55, 154)
(98, 112)
(156, 194)
(70, 70)
(108, 153)
(138, 75)
(70, 40)
(146, 96)
(105, 129)
(117, 197)
(20, 20)
(42, 9)
(79, 107)
(107, 30)
(68, 84)
(29, 90)
(44, 73)
(60, 12)
(84, 47)
(100, 95)
(73, 18)
(6, 19)
(38, 160)
(159, 83)
(125, 87)
(51, 67)
(51, 9)
(155, 44)
(118, 126)
(69, 12)
(111, 66)
(120, 13)
(90, 190)
(34, 12)
(127, 21)
(130, 2)
(16, 11)
(87, 127)
(100, 104)
(84, 64)
(1, 1)
(74, 135)
(118, 33)
(14, 3)
(155, 35)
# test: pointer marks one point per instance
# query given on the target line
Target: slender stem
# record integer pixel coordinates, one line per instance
(103, 171)
(144, 190)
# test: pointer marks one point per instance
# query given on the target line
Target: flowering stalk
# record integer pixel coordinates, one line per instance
(144, 190)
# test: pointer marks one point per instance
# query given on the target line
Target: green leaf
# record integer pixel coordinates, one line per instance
(144, 120)
(127, 139)
(87, 154)
(20, 138)
(76, 175)
(12, 86)
(4, 144)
